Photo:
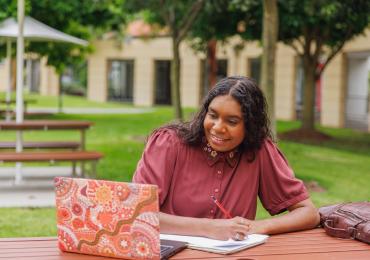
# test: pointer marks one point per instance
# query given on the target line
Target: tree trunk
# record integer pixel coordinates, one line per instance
(175, 80)
(308, 113)
(212, 63)
(269, 39)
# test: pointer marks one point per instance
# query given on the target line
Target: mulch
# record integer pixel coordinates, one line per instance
(304, 136)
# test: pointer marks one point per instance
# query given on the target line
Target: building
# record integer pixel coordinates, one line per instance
(138, 71)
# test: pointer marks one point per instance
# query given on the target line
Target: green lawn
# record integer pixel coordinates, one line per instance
(341, 166)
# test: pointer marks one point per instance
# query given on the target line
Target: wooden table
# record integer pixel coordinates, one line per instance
(311, 244)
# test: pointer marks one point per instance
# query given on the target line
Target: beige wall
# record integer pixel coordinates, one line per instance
(49, 80)
(285, 83)
(4, 72)
(96, 79)
(333, 85)
(358, 43)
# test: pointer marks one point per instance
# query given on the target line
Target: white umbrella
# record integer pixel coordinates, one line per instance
(36, 31)
(31, 29)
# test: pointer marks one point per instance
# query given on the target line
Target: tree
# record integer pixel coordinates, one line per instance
(216, 23)
(178, 17)
(269, 40)
(317, 30)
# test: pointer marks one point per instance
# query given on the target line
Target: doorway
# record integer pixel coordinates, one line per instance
(162, 82)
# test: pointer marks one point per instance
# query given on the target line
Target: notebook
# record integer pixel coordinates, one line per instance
(113, 219)
(218, 246)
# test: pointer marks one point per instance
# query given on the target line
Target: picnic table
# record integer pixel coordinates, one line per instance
(310, 244)
(30, 125)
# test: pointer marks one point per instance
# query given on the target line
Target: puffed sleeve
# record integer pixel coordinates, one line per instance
(158, 161)
(279, 189)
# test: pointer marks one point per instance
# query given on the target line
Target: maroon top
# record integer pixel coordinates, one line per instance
(188, 176)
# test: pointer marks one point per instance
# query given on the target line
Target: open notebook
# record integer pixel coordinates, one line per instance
(218, 246)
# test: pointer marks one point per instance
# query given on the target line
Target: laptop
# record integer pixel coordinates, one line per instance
(112, 219)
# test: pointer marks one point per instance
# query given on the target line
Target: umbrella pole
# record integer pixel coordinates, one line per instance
(19, 101)
(9, 87)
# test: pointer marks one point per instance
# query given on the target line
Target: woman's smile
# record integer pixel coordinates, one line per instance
(218, 140)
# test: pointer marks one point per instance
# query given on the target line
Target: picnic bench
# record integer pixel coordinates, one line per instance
(310, 244)
(61, 156)
(76, 152)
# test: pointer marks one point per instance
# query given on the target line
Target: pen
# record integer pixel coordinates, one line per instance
(218, 204)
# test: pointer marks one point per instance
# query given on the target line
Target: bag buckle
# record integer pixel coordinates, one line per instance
(352, 232)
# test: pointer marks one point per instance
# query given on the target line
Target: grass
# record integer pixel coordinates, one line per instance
(341, 166)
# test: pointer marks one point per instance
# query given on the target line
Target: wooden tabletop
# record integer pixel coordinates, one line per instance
(45, 125)
(311, 244)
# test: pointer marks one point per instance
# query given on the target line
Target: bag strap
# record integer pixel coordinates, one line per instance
(350, 232)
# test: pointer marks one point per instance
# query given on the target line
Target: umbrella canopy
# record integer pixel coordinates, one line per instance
(35, 31)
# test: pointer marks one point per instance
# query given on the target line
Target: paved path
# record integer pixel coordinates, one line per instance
(36, 190)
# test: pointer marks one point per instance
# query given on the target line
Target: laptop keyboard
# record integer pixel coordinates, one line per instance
(165, 248)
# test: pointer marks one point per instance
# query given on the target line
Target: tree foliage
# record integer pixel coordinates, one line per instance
(317, 30)
(216, 23)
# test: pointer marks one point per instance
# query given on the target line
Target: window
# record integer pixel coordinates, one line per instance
(120, 80)
(255, 69)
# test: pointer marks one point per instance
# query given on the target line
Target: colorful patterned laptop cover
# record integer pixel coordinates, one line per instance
(107, 218)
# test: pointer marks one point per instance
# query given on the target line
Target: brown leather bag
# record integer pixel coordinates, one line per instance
(347, 220)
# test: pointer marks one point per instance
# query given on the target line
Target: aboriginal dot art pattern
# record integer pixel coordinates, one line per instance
(113, 219)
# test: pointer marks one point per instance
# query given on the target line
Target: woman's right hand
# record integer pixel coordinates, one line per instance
(235, 228)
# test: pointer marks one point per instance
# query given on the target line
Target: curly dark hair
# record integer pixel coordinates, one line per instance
(254, 108)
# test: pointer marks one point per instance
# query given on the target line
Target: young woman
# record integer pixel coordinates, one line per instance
(224, 153)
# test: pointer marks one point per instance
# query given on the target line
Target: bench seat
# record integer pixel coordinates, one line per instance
(41, 145)
(53, 156)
